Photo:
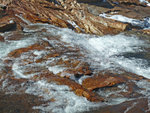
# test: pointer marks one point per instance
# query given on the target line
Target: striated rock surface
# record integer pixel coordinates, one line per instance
(79, 17)
(68, 14)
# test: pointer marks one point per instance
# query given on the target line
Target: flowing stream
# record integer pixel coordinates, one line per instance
(114, 53)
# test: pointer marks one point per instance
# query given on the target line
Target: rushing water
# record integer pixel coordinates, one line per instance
(101, 52)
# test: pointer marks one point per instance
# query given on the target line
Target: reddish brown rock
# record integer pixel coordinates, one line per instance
(1, 39)
(127, 75)
(101, 80)
(64, 14)
(37, 46)
(77, 88)
(74, 67)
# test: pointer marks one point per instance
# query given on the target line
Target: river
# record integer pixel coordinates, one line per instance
(104, 53)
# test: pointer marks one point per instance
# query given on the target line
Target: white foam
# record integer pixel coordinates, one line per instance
(17, 71)
(145, 23)
(110, 46)
(4, 84)
(123, 19)
(56, 69)
(145, 1)
(138, 66)
(38, 53)
(11, 21)
(148, 4)
(24, 20)
(7, 47)
(83, 78)
(105, 52)
(145, 89)
(101, 52)
(73, 24)
(113, 45)
(65, 100)
(118, 97)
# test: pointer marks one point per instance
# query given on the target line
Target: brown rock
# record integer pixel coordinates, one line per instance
(59, 14)
(77, 88)
(147, 31)
(79, 92)
(127, 2)
(7, 24)
(37, 46)
(1, 39)
(139, 105)
(76, 68)
(101, 80)
(86, 94)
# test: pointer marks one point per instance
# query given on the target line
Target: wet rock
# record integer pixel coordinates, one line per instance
(15, 103)
(135, 106)
(126, 75)
(38, 46)
(101, 80)
(1, 39)
(77, 88)
(17, 35)
(7, 24)
(76, 68)
(131, 90)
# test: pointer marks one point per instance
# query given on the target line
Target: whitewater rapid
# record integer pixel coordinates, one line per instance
(101, 52)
